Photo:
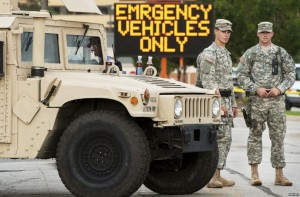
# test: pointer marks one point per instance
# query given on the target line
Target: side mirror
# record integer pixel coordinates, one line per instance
(1, 59)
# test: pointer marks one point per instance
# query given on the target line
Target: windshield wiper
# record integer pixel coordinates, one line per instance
(27, 41)
(86, 28)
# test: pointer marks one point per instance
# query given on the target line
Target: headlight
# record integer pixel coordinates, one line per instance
(215, 108)
(177, 108)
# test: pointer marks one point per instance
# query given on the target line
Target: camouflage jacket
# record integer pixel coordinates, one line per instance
(214, 68)
(255, 69)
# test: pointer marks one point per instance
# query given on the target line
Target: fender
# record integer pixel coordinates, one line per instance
(59, 88)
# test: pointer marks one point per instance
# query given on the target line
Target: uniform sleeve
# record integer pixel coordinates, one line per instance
(198, 71)
(288, 71)
(206, 63)
(244, 73)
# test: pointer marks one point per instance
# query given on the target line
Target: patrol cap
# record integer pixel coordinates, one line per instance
(223, 25)
(265, 27)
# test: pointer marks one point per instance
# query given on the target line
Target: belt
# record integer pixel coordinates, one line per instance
(225, 93)
(248, 93)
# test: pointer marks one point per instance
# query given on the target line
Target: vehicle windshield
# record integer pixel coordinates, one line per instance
(89, 52)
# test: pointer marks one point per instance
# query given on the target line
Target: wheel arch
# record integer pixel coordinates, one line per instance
(67, 113)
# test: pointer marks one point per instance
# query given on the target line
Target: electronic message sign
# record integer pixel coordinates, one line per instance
(163, 29)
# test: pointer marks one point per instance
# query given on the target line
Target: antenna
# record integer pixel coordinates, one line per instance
(117, 62)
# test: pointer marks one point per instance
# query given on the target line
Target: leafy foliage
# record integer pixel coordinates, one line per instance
(246, 14)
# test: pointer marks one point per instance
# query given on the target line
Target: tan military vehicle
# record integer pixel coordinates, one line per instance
(109, 132)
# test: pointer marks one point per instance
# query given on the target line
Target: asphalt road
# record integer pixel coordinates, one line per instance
(39, 178)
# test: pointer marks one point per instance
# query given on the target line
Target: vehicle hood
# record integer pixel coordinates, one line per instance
(124, 82)
(71, 86)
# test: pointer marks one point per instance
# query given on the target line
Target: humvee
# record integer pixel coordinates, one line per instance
(109, 132)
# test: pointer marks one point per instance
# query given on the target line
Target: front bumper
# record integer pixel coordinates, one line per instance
(198, 138)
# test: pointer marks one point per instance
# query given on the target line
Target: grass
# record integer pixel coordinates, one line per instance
(293, 113)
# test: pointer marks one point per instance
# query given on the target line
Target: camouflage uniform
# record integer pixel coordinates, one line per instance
(214, 67)
(254, 71)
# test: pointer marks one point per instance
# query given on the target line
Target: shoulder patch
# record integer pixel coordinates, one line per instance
(209, 58)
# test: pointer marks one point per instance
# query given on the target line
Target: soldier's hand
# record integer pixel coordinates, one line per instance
(235, 111)
(273, 92)
(262, 92)
(224, 109)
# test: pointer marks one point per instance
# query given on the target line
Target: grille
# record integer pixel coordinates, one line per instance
(197, 107)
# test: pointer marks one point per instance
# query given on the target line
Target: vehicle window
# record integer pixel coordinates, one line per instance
(26, 46)
(298, 74)
(51, 49)
(51, 52)
(84, 50)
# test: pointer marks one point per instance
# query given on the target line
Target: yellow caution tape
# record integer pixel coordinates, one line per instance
(292, 92)
(238, 90)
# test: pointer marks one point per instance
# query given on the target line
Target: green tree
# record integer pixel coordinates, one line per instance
(246, 14)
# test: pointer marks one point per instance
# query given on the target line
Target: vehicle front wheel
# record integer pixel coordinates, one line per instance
(103, 154)
(196, 171)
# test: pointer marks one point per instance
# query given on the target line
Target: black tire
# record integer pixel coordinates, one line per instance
(196, 172)
(288, 105)
(103, 154)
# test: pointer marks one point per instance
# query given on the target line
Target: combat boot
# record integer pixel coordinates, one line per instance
(255, 181)
(225, 182)
(281, 179)
(214, 183)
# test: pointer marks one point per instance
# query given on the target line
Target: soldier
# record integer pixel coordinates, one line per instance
(214, 67)
(266, 71)
(95, 46)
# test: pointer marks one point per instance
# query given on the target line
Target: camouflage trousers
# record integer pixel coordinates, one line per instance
(224, 134)
(272, 112)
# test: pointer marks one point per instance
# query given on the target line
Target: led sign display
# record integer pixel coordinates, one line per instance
(163, 29)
